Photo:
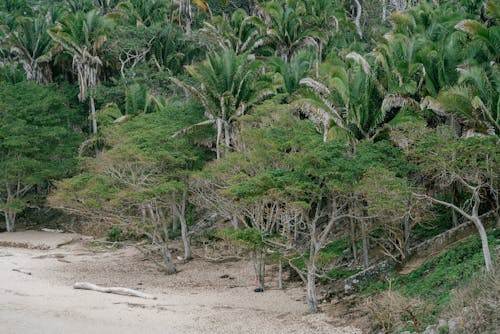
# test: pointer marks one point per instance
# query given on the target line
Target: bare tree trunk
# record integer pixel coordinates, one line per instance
(234, 221)
(10, 220)
(364, 236)
(406, 237)
(280, 275)
(353, 240)
(169, 262)
(484, 244)
(454, 200)
(384, 10)
(357, 20)
(312, 302)
(259, 267)
(184, 231)
(93, 115)
(219, 135)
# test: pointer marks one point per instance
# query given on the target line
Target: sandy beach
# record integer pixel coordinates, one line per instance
(36, 294)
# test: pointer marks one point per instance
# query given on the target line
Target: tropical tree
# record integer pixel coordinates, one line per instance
(31, 45)
(468, 163)
(287, 30)
(82, 35)
(142, 12)
(473, 102)
(350, 99)
(241, 33)
(37, 145)
(139, 178)
(290, 73)
(228, 86)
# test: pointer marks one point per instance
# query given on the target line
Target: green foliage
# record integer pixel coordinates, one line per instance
(37, 144)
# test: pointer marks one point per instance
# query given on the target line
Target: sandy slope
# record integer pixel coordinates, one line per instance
(196, 300)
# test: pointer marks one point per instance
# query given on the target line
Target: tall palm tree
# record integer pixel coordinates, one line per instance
(474, 101)
(31, 45)
(82, 35)
(228, 85)
(292, 72)
(240, 33)
(143, 12)
(348, 98)
(287, 30)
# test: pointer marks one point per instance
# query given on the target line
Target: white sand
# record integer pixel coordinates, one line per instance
(196, 300)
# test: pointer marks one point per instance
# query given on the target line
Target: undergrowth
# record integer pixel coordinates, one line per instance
(435, 280)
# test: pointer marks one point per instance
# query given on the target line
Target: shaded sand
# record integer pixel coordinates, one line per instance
(37, 239)
(202, 298)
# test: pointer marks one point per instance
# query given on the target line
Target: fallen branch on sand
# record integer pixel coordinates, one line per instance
(22, 271)
(115, 290)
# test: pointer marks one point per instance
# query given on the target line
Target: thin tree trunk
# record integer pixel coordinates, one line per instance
(280, 275)
(259, 267)
(10, 220)
(169, 262)
(454, 215)
(357, 20)
(312, 302)
(484, 244)
(184, 230)
(406, 237)
(234, 221)
(227, 137)
(93, 115)
(364, 236)
(353, 240)
(219, 135)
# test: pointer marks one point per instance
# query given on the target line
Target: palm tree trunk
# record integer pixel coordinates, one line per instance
(357, 20)
(219, 135)
(93, 115)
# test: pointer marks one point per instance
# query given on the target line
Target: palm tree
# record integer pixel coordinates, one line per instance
(228, 85)
(143, 12)
(31, 45)
(287, 30)
(349, 98)
(474, 101)
(292, 72)
(240, 33)
(82, 35)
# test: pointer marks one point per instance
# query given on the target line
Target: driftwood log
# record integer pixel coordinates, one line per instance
(115, 290)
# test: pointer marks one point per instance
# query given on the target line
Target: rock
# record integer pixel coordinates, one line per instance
(406, 332)
(442, 326)
(431, 330)
(452, 327)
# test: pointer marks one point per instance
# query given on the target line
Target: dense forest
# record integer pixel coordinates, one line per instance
(323, 136)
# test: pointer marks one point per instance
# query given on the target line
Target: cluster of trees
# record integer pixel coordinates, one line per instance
(300, 122)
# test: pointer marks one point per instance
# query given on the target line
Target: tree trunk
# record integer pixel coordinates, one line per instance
(353, 240)
(219, 135)
(93, 115)
(10, 220)
(312, 302)
(364, 236)
(259, 267)
(454, 200)
(184, 230)
(484, 243)
(234, 221)
(357, 20)
(169, 262)
(280, 275)
(406, 237)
